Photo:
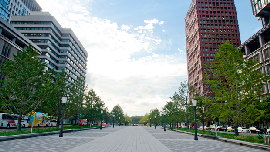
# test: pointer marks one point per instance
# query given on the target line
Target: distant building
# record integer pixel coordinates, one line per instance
(12, 42)
(17, 7)
(60, 47)
(258, 46)
(261, 9)
(208, 24)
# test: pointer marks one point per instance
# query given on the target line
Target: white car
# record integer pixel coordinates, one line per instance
(243, 130)
(252, 129)
(52, 123)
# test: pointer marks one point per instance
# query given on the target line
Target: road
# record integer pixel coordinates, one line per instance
(122, 139)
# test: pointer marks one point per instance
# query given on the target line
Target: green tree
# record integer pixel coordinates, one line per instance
(136, 119)
(152, 114)
(265, 105)
(75, 99)
(181, 99)
(26, 82)
(119, 113)
(127, 119)
(144, 119)
(236, 85)
(90, 99)
(56, 89)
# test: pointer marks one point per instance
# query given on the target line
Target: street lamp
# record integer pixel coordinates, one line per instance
(113, 120)
(155, 122)
(164, 113)
(119, 121)
(128, 122)
(147, 122)
(194, 105)
(101, 120)
(150, 122)
(64, 100)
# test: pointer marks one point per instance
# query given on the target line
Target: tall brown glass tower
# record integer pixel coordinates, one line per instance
(208, 24)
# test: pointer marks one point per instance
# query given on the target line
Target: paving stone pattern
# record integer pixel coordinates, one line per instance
(122, 139)
(183, 142)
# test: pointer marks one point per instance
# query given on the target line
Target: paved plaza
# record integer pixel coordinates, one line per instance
(122, 139)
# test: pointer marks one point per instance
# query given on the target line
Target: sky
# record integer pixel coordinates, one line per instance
(136, 49)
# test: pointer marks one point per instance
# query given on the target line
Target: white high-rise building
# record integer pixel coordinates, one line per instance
(60, 47)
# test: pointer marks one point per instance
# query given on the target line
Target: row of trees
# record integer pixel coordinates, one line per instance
(29, 87)
(233, 95)
(153, 117)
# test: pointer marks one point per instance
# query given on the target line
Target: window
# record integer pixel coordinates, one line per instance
(6, 49)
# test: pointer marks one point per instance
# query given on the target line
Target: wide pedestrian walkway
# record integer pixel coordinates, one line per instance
(122, 139)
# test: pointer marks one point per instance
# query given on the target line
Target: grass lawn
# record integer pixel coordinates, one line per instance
(252, 139)
(40, 130)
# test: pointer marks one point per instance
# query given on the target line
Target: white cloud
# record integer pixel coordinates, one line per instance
(161, 22)
(155, 55)
(125, 27)
(138, 84)
(154, 21)
(149, 25)
(163, 30)
(181, 51)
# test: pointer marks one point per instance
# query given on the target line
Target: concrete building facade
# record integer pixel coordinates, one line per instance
(261, 9)
(60, 47)
(257, 47)
(12, 42)
(208, 24)
(17, 7)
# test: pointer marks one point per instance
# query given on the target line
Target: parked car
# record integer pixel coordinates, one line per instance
(252, 129)
(52, 123)
(243, 130)
(222, 129)
(260, 131)
(217, 128)
(230, 129)
(207, 128)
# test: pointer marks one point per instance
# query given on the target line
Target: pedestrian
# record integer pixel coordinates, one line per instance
(193, 127)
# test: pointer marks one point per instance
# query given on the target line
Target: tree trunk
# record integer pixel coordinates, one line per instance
(58, 113)
(235, 129)
(19, 123)
(187, 124)
(203, 126)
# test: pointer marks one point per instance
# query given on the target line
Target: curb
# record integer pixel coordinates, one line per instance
(239, 142)
(23, 136)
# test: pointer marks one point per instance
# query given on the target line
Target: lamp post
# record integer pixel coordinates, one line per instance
(150, 122)
(155, 122)
(194, 105)
(119, 121)
(101, 120)
(113, 120)
(164, 113)
(128, 122)
(147, 122)
(64, 100)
